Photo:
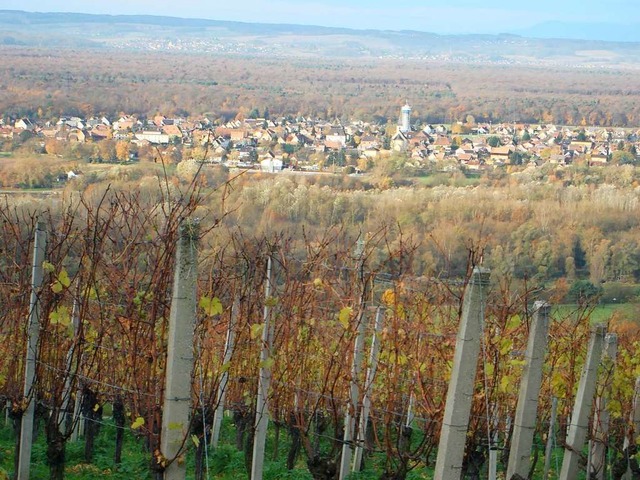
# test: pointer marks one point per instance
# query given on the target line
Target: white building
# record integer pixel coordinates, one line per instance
(405, 119)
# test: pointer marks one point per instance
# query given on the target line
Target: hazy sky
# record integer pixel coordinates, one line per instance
(439, 16)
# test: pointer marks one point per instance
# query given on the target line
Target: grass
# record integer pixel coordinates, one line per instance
(225, 462)
(600, 313)
(134, 460)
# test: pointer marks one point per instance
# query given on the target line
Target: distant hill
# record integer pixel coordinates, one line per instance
(147, 32)
(605, 31)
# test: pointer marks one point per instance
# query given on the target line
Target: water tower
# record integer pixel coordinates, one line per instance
(405, 118)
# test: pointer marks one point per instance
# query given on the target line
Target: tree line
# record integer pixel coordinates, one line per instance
(41, 83)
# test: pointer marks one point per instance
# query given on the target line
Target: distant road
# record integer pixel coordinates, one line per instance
(44, 192)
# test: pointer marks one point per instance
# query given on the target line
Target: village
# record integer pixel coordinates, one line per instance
(267, 144)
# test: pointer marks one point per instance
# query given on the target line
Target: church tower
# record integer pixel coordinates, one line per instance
(405, 118)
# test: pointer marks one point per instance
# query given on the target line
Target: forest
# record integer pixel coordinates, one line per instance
(45, 84)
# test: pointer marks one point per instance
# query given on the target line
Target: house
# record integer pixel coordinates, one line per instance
(172, 131)
(336, 135)
(472, 164)
(6, 132)
(124, 124)
(76, 135)
(122, 135)
(296, 139)
(271, 165)
(399, 142)
(233, 133)
(371, 152)
(580, 147)
(49, 132)
(24, 124)
(333, 145)
(367, 142)
(75, 122)
(153, 137)
(600, 156)
(100, 132)
(418, 138)
(501, 154)
(442, 142)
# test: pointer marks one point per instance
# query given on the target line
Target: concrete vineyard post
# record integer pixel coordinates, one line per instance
(527, 409)
(601, 416)
(30, 380)
(222, 388)
(177, 397)
(577, 433)
(461, 386)
(366, 401)
(264, 382)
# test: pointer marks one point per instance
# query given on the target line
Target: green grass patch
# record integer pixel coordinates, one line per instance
(600, 313)
(135, 461)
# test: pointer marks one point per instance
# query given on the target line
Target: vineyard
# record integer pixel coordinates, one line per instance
(139, 308)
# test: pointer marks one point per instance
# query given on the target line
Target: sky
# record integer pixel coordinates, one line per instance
(437, 16)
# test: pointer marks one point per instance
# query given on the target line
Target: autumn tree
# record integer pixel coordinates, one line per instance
(122, 151)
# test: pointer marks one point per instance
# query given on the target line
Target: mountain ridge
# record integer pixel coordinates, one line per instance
(140, 32)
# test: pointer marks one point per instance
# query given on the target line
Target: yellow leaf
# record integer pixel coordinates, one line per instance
(160, 459)
(139, 422)
(61, 282)
(211, 306)
(344, 316)
(513, 323)
(60, 316)
(175, 426)
(317, 282)
(505, 346)
(489, 369)
(268, 363)
(256, 330)
(505, 383)
(389, 297)
(56, 287)
(225, 367)
(195, 440)
(64, 279)
(517, 363)
(48, 267)
(96, 407)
